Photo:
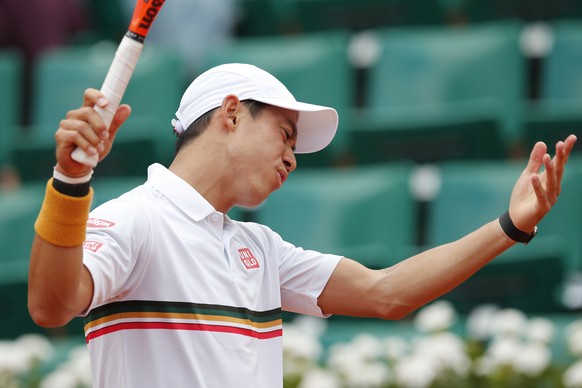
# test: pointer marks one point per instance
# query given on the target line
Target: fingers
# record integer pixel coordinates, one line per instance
(569, 144)
(563, 149)
(77, 130)
(85, 128)
(536, 157)
(552, 188)
(548, 185)
(93, 97)
(541, 194)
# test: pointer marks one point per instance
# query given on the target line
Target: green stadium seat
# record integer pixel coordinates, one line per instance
(16, 320)
(558, 111)
(277, 17)
(108, 19)
(135, 148)
(442, 93)
(471, 194)
(109, 187)
(314, 67)
(18, 211)
(11, 85)
(527, 10)
(552, 121)
(260, 18)
(358, 15)
(365, 213)
(13, 300)
(63, 74)
(526, 277)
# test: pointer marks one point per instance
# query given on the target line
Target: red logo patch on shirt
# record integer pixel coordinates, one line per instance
(91, 245)
(99, 223)
(248, 259)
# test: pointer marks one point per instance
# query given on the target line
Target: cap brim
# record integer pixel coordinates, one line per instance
(316, 126)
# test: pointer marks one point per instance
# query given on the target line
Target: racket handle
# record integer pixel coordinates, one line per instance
(113, 88)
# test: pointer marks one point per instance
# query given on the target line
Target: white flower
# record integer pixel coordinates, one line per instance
(74, 372)
(437, 316)
(572, 377)
(509, 322)
(340, 357)
(362, 350)
(501, 352)
(59, 379)
(367, 346)
(394, 347)
(14, 359)
(37, 346)
(446, 352)
(414, 372)
(344, 358)
(312, 326)
(480, 321)
(574, 337)
(358, 362)
(78, 364)
(504, 350)
(484, 365)
(299, 344)
(533, 359)
(320, 378)
(368, 375)
(540, 330)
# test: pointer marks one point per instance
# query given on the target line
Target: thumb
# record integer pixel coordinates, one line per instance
(122, 113)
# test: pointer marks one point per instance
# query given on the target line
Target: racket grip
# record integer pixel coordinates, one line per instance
(113, 88)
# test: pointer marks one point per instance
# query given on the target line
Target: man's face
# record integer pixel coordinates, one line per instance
(263, 152)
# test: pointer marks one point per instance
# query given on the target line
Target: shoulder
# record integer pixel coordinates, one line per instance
(131, 209)
(258, 231)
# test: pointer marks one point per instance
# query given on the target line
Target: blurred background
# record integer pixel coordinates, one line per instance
(440, 102)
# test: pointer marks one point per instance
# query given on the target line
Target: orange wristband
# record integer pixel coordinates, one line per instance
(62, 220)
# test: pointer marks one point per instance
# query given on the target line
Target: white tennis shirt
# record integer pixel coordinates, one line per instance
(186, 297)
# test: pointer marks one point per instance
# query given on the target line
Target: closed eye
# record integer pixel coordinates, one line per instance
(287, 135)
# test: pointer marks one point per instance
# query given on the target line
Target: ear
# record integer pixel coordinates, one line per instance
(229, 111)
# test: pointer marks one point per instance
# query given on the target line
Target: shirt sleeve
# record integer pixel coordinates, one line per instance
(303, 276)
(116, 248)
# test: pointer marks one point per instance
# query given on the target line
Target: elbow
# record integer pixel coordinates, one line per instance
(46, 317)
(394, 312)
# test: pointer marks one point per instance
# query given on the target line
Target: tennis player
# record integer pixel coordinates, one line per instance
(177, 294)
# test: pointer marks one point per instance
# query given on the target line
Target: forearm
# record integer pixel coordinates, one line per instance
(416, 281)
(59, 285)
(55, 282)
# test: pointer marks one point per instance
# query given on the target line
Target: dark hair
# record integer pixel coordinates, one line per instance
(200, 124)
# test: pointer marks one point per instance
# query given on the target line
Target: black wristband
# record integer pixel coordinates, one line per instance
(512, 232)
(73, 190)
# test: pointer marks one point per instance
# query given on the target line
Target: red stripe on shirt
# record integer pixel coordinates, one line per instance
(181, 326)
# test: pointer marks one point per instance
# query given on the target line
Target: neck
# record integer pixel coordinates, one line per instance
(205, 168)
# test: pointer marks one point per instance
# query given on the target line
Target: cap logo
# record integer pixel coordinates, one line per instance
(248, 259)
(99, 223)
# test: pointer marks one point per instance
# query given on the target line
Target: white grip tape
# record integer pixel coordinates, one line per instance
(113, 88)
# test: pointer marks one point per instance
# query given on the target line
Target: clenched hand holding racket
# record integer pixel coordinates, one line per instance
(122, 67)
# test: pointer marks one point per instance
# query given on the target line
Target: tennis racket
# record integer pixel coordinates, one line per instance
(122, 67)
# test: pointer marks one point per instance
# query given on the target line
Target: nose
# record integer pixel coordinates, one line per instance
(289, 161)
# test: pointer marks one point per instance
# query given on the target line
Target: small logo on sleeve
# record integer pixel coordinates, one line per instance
(99, 223)
(91, 245)
(248, 259)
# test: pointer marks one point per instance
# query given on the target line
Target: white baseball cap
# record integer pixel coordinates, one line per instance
(316, 125)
